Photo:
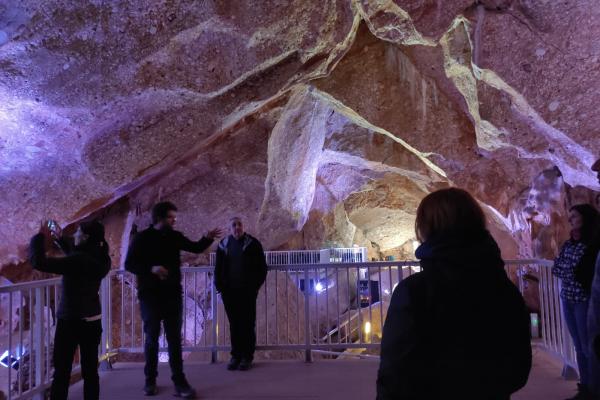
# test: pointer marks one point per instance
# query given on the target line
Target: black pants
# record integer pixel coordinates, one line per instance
(70, 334)
(168, 310)
(240, 306)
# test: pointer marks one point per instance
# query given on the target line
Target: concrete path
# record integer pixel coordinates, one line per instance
(293, 380)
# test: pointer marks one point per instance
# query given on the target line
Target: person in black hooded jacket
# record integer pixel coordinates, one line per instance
(79, 311)
(460, 328)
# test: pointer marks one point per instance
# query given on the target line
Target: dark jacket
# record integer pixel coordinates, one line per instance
(457, 330)
(153, 247)
(254, 267)
(83, 269)
(585, 269)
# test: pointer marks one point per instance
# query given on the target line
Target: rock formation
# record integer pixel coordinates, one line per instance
(287, 109)
(317, 122)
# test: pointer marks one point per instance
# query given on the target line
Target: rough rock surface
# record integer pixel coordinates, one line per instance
(315, 121)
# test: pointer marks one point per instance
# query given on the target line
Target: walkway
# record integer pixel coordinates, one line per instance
(293, 380)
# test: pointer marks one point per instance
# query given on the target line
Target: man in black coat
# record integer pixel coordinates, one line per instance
(154, 257)
(240, 271)
(83, 267)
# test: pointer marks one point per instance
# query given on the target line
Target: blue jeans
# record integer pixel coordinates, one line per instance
(576, 319)
(167, 309)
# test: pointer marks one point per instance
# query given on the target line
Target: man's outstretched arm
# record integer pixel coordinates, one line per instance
(201, 245)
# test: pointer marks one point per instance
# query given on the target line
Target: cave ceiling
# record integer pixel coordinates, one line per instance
(295, 114)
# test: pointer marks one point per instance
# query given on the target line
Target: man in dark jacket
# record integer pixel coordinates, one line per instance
(154, 257)
(79, 311)
(240, 271)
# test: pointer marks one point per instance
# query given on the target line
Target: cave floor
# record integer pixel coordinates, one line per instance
(295, 380)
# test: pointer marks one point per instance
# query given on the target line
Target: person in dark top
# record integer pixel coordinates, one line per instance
(575, 267)
(240, 271)
(154, 257)
(79, 311)
(460, 328)
(594, 314)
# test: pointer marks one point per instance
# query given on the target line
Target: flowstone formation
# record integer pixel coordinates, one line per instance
(317, 122)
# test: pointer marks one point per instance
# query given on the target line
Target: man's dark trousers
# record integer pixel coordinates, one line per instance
(70, 334)
(240, 306)
(168, 309)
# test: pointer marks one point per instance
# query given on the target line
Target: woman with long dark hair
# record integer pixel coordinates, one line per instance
(79, 312)
(460, 328)
(575, 267)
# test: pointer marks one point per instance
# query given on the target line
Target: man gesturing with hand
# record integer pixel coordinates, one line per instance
(154, 257)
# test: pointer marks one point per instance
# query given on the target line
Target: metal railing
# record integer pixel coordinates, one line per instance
(552, 328)
(332, 309)
(331, 255)
(28, 337)
(301, 307)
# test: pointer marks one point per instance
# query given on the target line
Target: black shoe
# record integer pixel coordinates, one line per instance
(150, 388)
(185, 390)
(245, 364)
(233, 364)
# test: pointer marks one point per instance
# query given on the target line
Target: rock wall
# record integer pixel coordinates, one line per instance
(315, 121)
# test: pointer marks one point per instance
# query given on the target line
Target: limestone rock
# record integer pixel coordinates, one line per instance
(328, 128)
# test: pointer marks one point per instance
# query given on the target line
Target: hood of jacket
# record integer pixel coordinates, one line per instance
(454, 255)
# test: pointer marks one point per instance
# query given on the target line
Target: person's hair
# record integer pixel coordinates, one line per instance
(160, 210)
(448, 210)
(94, 231)
(95, 243)
(590, 229)
(235, 219)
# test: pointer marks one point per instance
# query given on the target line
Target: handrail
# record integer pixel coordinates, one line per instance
(208, 268)
(16, 287)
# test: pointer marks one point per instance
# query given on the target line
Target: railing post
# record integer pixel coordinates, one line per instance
(400, 272)
(106, 326)
(37, 347)
(307, 339)
(215, 320)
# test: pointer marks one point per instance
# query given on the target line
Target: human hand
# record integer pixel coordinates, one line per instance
(47, 233)
(160, 271)
(56, 232)
(44, 229)
(214, 234)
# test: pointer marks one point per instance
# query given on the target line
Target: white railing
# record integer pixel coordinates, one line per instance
(26, 339)
(289, 257)
(555, 337)
(332, 309)
(300, 308)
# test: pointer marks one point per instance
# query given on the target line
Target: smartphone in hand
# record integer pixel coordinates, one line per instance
(53, 226)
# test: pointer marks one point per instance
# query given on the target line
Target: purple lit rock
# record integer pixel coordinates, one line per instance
(330, 128)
